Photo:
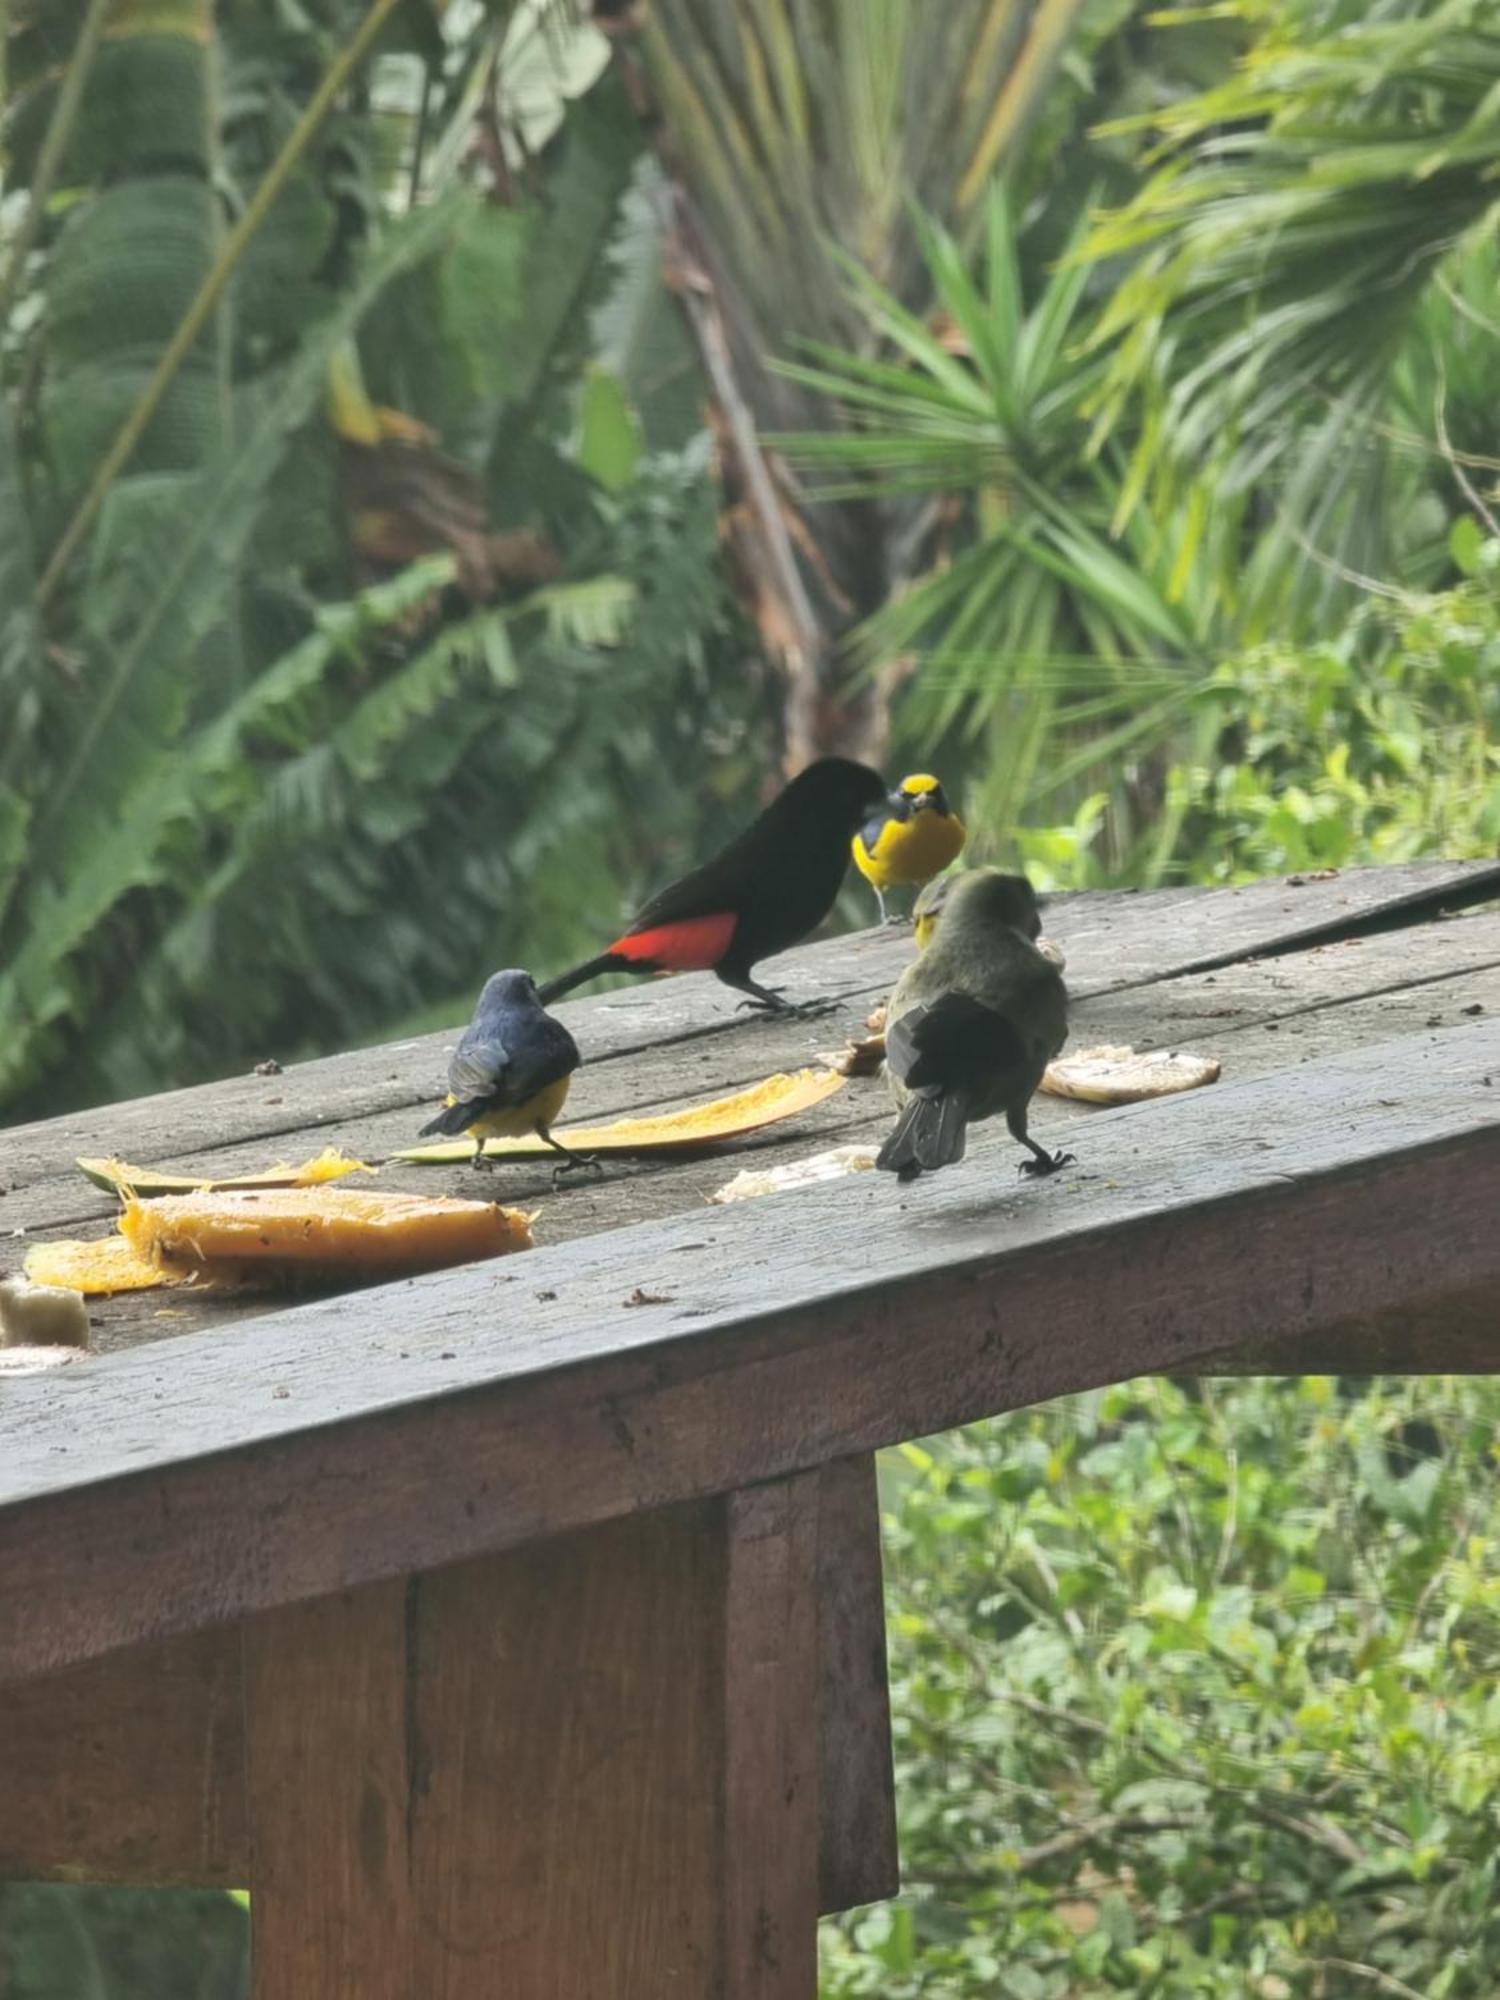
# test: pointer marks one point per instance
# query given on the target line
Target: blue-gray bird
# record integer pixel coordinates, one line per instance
(972, 1025)
(510, 1073)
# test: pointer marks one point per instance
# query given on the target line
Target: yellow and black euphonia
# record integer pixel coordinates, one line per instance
(912, 838)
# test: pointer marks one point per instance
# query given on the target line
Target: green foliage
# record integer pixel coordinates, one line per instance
(1054, 650)
(1195, 1696)
(1379, 744)
(1276, 260)
(121, 1944)
(253, 798)
(118, 783)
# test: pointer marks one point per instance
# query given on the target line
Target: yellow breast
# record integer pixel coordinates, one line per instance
(519, 1120)
(910, 851)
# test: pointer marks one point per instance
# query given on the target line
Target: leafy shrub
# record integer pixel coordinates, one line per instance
(1378, 744)
(1194, 1695)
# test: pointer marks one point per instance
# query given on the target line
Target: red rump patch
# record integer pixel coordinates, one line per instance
(695, 945)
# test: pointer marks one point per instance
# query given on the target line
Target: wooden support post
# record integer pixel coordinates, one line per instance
(131, 1769)
(584, 1770)
(857, 1861)
(128, 1769)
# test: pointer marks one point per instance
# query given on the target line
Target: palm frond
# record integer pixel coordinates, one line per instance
(1279, 254)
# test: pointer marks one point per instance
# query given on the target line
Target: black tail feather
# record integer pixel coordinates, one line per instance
(930, 1133)
(452, 1119)
(566, 981)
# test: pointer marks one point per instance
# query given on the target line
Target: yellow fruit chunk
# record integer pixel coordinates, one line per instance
(95, 1269)
(764, 1103)
(285, 1233)
(118, 1177)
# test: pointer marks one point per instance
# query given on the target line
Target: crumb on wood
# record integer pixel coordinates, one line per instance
(641, 1297)
(269, 1067)
(542, 1297)
(859, 1057)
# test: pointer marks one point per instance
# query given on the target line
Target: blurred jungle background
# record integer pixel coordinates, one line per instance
(456, 458)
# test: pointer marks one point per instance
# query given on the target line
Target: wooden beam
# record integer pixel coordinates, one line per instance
(584, 1772)
(128, 1770)
(857, 1858)
(1454, 1333)
(420, 1423)
(132, 1769)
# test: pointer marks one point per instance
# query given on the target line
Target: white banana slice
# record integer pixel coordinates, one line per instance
(1118, 1075)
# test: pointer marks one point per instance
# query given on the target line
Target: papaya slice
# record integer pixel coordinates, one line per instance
(97, 1269)
(119, 1177)
(764, 1103)
(271, 1236)
(266, 1236)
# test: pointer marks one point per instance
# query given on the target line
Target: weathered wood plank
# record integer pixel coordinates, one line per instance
(1273, 988)
(1331, 975)
(1457, 1333)
(857, 1857)
(1109, 941)
(584, 1772)
(163, 1489)
(1286, 913)
(128, 1770)
(771, 1762)
(132, 1769)
(1414, 970)
(1253, 1029)
(334, 1778)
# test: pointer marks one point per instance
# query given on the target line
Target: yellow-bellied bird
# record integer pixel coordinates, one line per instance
(510, 1072)
(913, 837)
(928, 907)
(973, 1023)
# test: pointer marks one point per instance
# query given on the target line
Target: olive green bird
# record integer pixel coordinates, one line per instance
(971, 1027)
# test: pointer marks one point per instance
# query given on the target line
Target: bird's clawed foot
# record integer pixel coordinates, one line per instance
(1046, 1163)
(480, 1160)
(577, 1163)
(775, 1008)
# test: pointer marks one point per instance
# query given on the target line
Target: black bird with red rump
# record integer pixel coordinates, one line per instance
(767, 890)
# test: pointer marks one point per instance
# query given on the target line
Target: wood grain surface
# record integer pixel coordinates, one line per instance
(584, 1772)
(180, 1485)
(131, 1769)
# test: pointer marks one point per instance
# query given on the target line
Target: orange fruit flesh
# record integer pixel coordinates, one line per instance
(338, 1232)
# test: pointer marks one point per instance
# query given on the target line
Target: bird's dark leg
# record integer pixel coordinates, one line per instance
(769, 1001)
(1044, 1162)
(479, 1160)
(572, 1162)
